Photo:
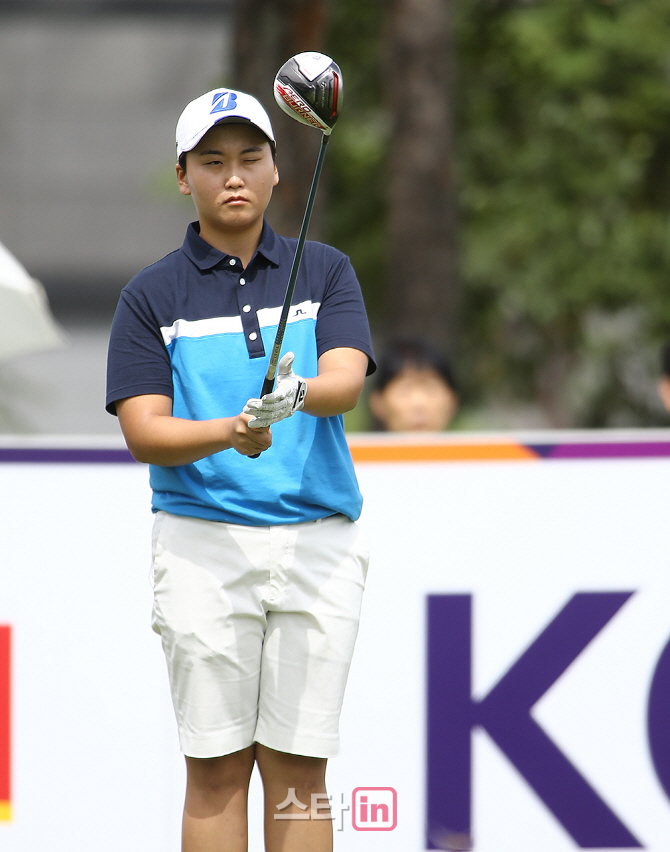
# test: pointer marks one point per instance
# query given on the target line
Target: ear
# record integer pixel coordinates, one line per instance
(275, 180)
(182, 181)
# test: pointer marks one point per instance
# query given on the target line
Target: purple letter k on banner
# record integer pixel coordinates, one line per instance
(504, 713)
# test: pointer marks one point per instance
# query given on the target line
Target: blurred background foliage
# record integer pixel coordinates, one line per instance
(561, 144)
(357, 164)
(499, 175)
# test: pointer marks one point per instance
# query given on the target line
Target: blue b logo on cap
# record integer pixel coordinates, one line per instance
(224, 101)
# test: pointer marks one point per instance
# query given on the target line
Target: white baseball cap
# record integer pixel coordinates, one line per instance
(215, 106)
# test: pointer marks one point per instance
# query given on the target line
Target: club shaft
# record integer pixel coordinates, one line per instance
(268, 384)
(269, 381)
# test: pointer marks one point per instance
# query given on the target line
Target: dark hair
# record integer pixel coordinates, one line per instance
(665, 360)
(400, 354)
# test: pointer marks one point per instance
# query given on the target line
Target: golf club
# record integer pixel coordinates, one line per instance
(308, 88)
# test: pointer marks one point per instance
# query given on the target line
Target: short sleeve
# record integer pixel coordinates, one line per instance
(137, 361)
(342, 320)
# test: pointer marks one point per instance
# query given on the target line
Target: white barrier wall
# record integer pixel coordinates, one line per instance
(510, 688)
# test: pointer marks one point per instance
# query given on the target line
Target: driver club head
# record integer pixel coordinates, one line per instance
(309, 88)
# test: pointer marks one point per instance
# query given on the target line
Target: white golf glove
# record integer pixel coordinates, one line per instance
(287, 397)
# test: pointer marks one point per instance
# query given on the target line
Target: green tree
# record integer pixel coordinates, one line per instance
(422, 292)
(561, 115)
(392, 187)
(355, 170)
(564, 134)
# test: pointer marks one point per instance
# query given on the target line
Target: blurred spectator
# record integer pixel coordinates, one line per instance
(415, 389)
(664, 383)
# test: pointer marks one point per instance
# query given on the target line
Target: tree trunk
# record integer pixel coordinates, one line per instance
(423, 293)
(267, 33)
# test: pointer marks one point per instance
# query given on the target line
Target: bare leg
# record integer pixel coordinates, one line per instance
(215, 810)
(307, 775)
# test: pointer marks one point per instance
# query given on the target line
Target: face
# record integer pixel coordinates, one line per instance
(230, 175)
(416, 400)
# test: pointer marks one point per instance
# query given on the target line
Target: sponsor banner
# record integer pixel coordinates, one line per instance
(512, 674)
(510, 690)
(94, 752)
(627, 444)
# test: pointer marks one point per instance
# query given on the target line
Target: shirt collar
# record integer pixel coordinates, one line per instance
(207, 257)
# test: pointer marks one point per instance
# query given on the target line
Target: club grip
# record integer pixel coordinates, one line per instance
(268, 387)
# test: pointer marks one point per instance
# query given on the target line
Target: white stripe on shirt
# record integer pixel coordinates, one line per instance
(267, 317)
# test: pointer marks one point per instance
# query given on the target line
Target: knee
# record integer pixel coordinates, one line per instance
(217, 776)
(307, 774)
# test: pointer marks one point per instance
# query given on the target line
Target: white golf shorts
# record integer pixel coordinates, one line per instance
(258, 626)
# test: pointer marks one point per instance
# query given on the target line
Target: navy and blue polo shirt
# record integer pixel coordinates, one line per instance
(198, 327)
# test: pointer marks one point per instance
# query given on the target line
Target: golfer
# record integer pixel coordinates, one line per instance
(258, 565)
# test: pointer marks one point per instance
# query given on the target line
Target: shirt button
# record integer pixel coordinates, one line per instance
(242, 281)
(253, 335)
(232, 261)
(246, 309)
